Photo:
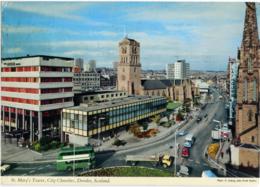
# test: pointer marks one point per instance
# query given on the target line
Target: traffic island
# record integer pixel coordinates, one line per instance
(127, 171)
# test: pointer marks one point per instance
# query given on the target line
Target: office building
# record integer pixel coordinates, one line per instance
(34, 90)
(83, 81)
(80, 123)
(179, 70)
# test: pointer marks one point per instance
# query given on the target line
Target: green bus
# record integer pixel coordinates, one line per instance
(76, 158)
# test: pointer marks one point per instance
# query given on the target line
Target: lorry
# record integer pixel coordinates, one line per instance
(164, 160)
(223, 134)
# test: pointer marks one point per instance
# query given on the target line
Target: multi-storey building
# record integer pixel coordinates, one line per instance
(81, 123)
(181, 70)
(232, 87)
(246, 151)
(34, 90)
(83, 81)
(170, 71)
(90, 66)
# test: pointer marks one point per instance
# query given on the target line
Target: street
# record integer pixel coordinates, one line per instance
(201, 131)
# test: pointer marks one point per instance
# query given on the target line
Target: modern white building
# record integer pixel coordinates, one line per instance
(233, 75)
(179, 70)
(34, 90)
(79, 62)
(84, 81)
(90, 66)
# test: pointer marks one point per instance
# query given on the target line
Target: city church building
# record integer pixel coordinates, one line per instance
(246, 151)
(129, 76)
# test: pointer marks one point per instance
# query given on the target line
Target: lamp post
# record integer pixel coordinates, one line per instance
(72, 132)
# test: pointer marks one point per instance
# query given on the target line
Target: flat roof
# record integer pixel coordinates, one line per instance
(32, 56)
(112, 103)
(96, 92)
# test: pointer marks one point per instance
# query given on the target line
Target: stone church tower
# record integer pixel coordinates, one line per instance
(248, 104)
(129, 67)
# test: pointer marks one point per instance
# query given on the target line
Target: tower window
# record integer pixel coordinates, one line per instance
(254, 90)
(250, 115)
(245, 90)
(252, 139)
(249, 64)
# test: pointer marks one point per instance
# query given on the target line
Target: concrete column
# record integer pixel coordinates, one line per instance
(61, 131)
(16, 122)
(23, 119)
(39, 125)
(9, 119)
(31, 127)
(3, 119)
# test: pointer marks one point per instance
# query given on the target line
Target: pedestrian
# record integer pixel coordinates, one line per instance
(222, 154)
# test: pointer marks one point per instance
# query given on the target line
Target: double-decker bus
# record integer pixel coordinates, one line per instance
(76, 158)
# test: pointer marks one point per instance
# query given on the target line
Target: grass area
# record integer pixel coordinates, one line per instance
(173, 105)
(130, 171)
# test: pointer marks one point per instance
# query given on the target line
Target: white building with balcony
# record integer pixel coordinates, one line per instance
(34, 90)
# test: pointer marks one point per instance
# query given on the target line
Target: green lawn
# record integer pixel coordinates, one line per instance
(131, 171)
(173, 105)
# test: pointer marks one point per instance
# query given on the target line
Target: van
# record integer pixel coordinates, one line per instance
(190, 138)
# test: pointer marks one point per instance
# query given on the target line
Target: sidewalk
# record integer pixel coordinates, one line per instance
(134, 142)
(224, 153)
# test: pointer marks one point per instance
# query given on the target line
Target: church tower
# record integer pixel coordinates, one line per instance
(129, 67)
(247, 109)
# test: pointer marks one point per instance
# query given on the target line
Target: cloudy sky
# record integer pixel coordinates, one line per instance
(205, 34)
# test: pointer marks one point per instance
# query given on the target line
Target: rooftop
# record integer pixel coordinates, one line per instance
(33, 56)
(96, 92)
(113, 103)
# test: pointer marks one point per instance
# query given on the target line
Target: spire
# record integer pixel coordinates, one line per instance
(250, 35)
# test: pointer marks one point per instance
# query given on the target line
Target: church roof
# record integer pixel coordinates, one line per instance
(160, 84)
(153, 84)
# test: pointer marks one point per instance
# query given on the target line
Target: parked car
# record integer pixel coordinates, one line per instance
(185, 152)
(187, 144)
(182, 133)
(198, 119)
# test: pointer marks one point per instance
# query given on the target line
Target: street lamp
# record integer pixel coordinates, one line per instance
(72, 132)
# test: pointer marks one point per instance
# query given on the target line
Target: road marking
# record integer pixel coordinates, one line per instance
(190, 160)
(40, 168)
(48, 166)
(24, 174)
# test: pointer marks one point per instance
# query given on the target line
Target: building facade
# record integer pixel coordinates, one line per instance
(83, 81)
(170, 71)
(98, 96)
(34, 90)
(90, 66)
(179, 70)
(248, 91)
(129, 67)
(86, 121)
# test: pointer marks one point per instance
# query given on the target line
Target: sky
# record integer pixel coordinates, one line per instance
(204, 34)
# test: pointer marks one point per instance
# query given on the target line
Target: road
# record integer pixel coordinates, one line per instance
(201, 130)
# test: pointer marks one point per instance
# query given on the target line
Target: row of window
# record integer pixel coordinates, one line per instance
(90, 122)
(36, 68)
(36, 102)
(20, 100)
(34, 79)
(36, 91)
